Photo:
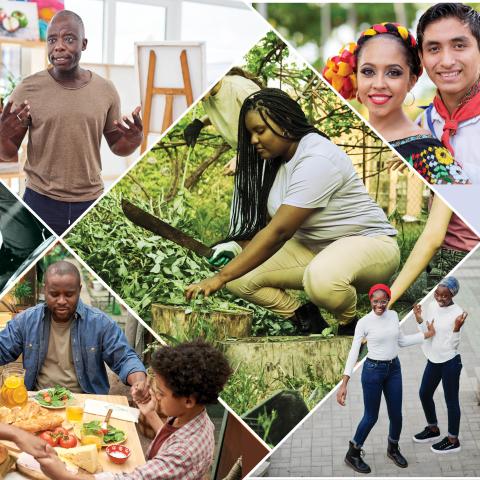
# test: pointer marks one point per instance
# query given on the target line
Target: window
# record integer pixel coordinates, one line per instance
(136, 22)
(91, 12)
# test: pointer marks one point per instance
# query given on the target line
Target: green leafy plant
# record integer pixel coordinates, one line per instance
(22, 291)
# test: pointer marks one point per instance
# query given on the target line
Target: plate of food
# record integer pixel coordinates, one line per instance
(54, 398)
(113, 436)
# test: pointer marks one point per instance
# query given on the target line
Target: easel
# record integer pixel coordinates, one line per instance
(168, 92)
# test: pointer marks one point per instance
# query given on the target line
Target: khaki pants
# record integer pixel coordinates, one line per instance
(330, 278)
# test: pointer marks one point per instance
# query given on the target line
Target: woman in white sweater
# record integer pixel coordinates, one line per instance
(381, 373)
(443, 363)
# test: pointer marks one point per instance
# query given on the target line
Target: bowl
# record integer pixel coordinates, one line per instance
(118, 453)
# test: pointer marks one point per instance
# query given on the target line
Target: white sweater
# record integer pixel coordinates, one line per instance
(443, 346)
(383, 336)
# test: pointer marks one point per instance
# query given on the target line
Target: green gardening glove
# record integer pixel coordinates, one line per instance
(223, 253)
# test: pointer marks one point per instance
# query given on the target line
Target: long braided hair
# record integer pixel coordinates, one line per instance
(254, 176)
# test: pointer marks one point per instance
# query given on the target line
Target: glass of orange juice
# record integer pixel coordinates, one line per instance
(89, 438)
(74, 410)
(13, 392)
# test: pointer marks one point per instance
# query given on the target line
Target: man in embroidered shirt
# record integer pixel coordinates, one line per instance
(65, 110)
(448, 37)
(66, 342)
(188, 377)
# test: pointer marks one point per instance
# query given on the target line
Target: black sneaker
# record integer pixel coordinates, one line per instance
(444, 446)
(427, 435)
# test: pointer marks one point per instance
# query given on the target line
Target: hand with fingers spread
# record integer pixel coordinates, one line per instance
(13, 127)
(459, 321)
(127, 136)
(206, 287)
(132, 132)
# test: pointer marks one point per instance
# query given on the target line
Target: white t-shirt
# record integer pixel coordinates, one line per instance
(383, 336)
(223, 108)
(464, 142)
(443, 346)
(321, 176)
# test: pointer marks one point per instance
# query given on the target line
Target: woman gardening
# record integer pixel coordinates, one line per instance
(385, 65)
(381, 372)
(299, 208)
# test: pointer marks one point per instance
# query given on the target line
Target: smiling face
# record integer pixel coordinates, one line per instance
(379, 301)
(61, 295)
(267, 143)
(65, 42)
(383, 75)
(451, 56)
(443, 296)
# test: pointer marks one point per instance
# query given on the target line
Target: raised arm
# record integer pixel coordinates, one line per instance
(426, 246)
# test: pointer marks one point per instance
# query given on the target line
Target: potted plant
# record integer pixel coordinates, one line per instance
(21, 293)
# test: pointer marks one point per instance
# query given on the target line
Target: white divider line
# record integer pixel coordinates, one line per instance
(293, 49)
(169, 129)
(112, 292)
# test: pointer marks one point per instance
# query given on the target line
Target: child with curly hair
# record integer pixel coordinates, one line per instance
(188, 377)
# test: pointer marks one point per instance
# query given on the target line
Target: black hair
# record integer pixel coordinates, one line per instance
(194, 368)
(410, 51)
(466, 14)
(62, 268)
(254, 177)
(75, 17)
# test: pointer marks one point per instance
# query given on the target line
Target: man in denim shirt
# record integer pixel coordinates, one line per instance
(66, 342)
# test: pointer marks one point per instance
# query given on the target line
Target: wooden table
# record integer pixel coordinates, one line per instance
(133, 442)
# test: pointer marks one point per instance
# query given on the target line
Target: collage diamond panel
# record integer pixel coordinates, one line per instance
(221, 222)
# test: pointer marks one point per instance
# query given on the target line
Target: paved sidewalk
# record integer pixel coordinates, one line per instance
(318, 447)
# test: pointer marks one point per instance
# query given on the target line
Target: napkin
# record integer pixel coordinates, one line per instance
(121, 412)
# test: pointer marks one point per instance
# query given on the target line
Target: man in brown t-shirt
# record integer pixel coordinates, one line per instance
(65, 110)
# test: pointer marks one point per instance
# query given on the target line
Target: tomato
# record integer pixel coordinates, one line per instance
(67, 441)
(60, 431)
(49, 437)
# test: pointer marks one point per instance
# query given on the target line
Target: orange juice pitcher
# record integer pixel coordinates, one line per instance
(13, 392)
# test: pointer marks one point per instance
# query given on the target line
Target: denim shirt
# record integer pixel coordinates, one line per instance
(96, 339)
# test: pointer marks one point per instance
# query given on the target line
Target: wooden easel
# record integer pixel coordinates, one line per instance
(168, 92)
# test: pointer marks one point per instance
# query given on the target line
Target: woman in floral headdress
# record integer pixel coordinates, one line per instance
(380, 70)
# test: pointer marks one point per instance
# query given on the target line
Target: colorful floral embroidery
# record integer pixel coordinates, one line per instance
(431, 159)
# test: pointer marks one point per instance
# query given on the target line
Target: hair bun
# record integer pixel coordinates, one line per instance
(339, 71)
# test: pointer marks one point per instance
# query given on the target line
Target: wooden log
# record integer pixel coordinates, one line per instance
(297, 357)
(176, 322)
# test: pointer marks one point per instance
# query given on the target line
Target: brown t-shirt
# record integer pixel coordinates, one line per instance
(63, 153)
(58, 367)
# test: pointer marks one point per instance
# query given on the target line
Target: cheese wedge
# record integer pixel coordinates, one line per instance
(85, 457)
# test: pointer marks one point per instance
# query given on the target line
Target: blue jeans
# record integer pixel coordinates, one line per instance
(378, 377)
(449, 374)
(56, 214)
